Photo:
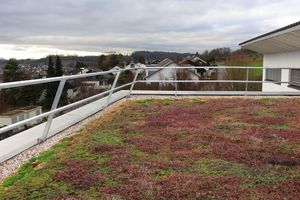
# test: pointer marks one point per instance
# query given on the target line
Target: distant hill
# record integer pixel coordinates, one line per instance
(92, 60)
(157, 55)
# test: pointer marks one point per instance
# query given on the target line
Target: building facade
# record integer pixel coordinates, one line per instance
(281, 53)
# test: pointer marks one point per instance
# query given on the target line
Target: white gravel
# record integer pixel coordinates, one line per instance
(12, 165)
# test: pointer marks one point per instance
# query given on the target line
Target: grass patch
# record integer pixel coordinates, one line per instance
(163, 100)
(27, 170)
(146, 101)
(268, 99)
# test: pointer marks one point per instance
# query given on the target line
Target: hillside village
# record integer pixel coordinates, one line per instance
(35, 69)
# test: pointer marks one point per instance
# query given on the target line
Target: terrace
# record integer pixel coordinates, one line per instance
(173, 148)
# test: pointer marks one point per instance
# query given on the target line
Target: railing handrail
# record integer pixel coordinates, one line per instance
(63, 79)
(54, 79)
(69, 77)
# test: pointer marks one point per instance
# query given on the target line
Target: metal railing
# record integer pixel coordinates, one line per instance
(54, 108)
(217, 81)
(63, 80)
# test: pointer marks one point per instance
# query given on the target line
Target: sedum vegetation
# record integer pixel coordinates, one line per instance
(173, 149)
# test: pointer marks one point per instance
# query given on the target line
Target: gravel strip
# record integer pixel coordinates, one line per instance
(12, 165)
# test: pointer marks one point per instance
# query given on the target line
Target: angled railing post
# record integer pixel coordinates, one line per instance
(54, 106)
(135, 77)
(247, 82)
(113, 87)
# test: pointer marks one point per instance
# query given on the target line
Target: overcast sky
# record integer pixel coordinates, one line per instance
(36, 28)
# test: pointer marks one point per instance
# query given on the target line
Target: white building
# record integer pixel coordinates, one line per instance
(168, 73)
(142, 72)
(95, 82)
(114, 69)
(280, 49)
(20, 114)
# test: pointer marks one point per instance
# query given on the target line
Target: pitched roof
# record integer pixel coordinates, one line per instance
(198, 59)
(285, 39)
(194, 62)
(186, 62)
(165, 62)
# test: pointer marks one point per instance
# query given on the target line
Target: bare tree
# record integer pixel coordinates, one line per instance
(239, 58)
(184, 74)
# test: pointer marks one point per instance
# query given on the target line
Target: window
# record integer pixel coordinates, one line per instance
(37, 112)
(14, 120)
(295, 77)
(273, 75)
(21, 118)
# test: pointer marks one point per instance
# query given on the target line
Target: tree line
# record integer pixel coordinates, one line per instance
(106, 61)
(30, 95)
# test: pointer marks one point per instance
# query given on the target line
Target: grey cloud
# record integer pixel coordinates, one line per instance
(128, 25)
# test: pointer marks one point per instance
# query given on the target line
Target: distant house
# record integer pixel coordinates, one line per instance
(153, 67)
(167, 73)
(281, 48)
(96, 82)
(142, 72)
(150, 69)
(72, 89)
(35, 75)
(115, 68)
(156, 73)
(20, 114)
(196, 62)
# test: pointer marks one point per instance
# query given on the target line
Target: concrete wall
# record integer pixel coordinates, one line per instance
(288, 59)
